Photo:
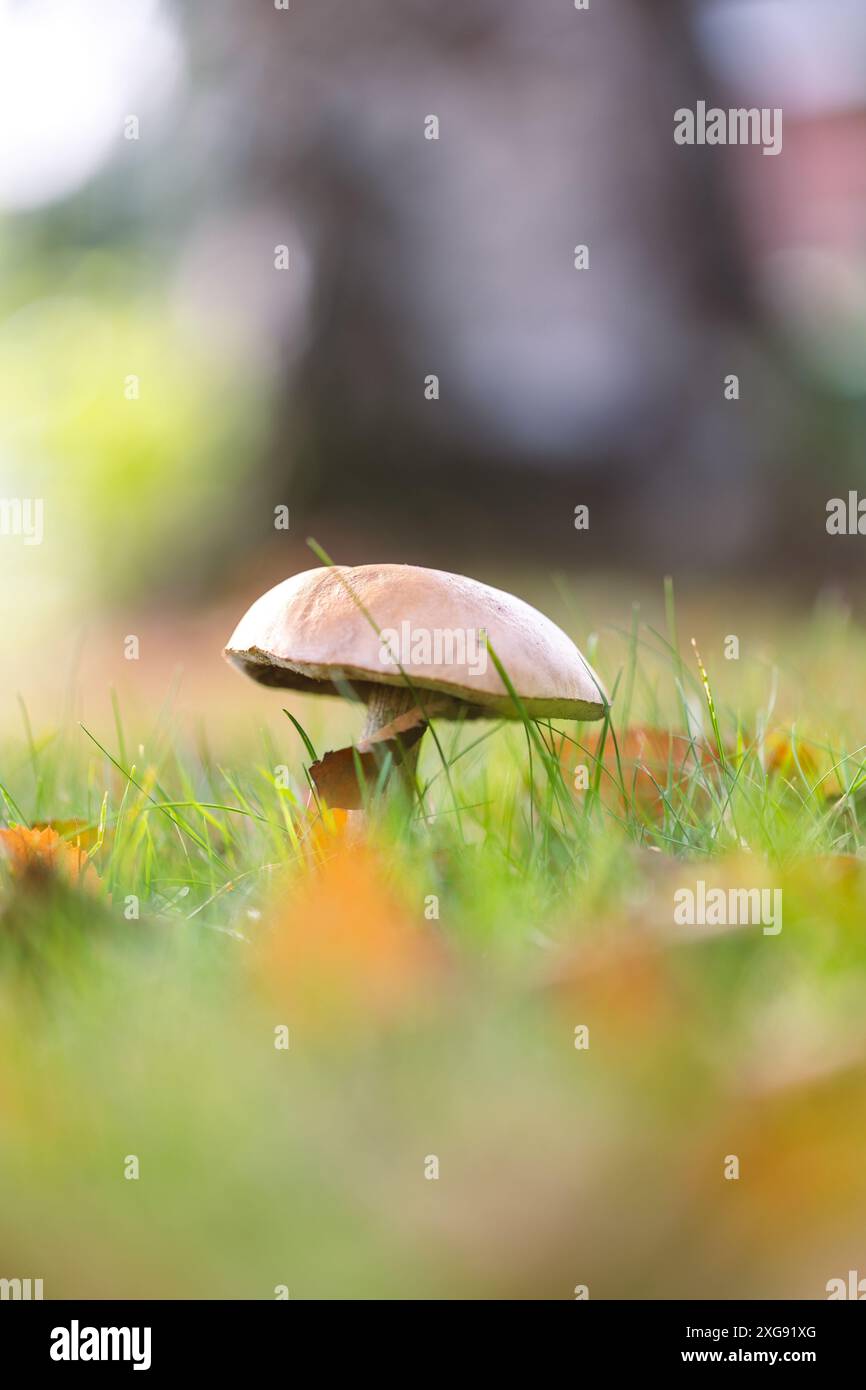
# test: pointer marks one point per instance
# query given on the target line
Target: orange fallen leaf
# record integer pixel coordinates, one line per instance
(81, 834)
(786, 756)
(325, 830)
(40, 853)
(623, 986)
(653, 762)
(341, 943)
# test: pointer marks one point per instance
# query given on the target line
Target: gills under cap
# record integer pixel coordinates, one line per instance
(313, 633)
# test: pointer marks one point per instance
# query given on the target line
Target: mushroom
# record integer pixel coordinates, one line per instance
(412, 644)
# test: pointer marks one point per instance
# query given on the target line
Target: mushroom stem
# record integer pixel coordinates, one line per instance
(384, 705)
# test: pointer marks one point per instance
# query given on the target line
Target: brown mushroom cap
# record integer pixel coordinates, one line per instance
(311, 634)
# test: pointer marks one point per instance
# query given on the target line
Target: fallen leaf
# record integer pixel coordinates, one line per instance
(653, 762)
(336, 774)
(786, 756)
(35, 853)
(341, 943)
(82, 834)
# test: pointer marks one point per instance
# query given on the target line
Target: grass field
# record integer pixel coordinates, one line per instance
(463, 1048)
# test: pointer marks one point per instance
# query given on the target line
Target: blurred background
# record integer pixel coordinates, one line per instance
(153, 155)
(230, 261)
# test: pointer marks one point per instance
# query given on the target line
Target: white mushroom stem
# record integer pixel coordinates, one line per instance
(385, 704)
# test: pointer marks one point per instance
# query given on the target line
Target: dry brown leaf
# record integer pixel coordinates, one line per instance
(336, 776)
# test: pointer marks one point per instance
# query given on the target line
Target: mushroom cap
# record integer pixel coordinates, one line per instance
(313, 633)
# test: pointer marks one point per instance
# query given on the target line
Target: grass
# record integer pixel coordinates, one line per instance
(432, 975)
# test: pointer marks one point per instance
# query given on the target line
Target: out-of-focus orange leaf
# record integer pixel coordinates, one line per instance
(805, 1147)
(340, 943)
(653, 761)
(624, 988)
(787, 756)
(36, 853)
(324, 831)
(81, 834)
